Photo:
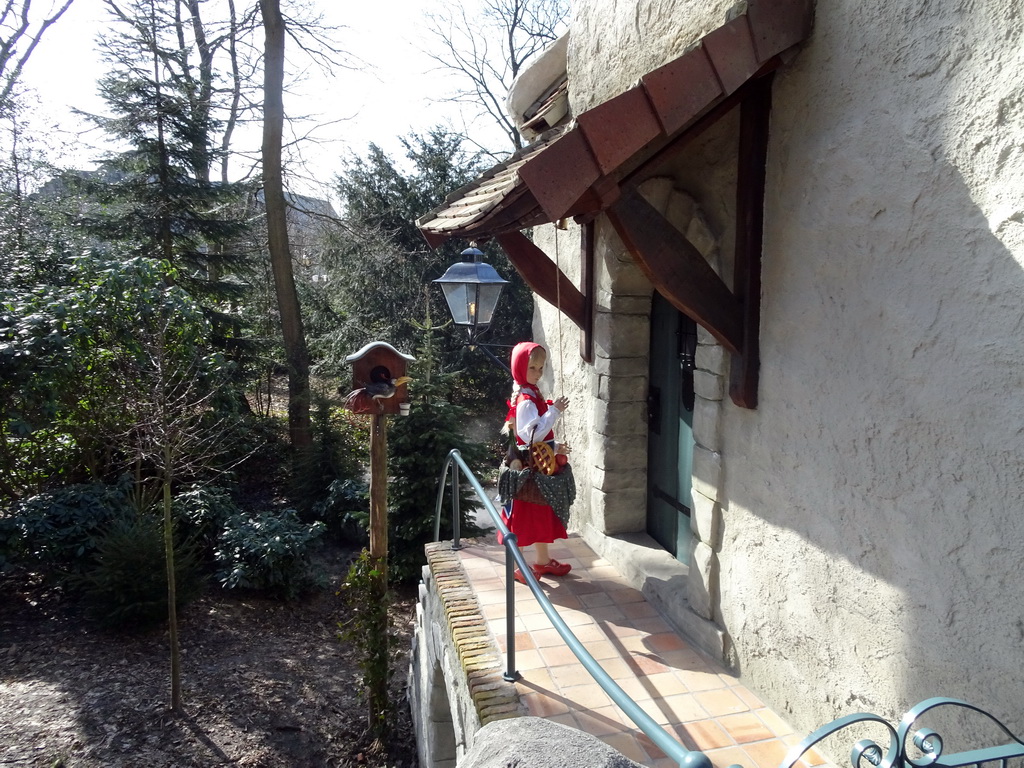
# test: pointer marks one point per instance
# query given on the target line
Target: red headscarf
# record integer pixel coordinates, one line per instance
(524, 389)
(521, 361)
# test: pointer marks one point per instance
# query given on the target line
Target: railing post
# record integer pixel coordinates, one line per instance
(511, 673)
(456, 513)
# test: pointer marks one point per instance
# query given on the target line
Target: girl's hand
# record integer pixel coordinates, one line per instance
(563, 448)
(561, 403)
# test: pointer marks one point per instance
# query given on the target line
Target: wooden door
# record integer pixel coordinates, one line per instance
(670, 428)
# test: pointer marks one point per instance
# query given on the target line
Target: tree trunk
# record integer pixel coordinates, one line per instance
(299, 426)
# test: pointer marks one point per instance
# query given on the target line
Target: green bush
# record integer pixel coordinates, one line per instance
(345, 511)
(370, 630)
(270, 552)
(126, 587)
(203, 511)
(59, 529)
(339, 454)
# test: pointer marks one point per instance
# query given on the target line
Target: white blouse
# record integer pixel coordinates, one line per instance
(530, 425)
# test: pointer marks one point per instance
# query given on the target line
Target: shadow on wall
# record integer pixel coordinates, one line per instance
(882, 470)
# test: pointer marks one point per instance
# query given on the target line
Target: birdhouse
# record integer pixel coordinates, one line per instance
(378, 379)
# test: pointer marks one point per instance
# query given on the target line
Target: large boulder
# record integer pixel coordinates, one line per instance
(531, 742)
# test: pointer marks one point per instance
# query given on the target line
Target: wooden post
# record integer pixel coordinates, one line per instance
(377, 692)
(378, 486)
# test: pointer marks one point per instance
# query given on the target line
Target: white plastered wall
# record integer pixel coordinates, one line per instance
(871, 527)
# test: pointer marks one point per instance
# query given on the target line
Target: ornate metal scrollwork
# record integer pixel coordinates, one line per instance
(867, 753)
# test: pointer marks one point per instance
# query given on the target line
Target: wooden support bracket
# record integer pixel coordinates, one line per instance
(551, 284)
(681, 274)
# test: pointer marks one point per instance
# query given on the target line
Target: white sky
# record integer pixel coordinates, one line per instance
(387, 100)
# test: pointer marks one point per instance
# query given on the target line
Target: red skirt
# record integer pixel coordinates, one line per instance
(532, 523)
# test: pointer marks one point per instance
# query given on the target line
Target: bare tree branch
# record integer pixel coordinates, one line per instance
(520, 30)
(13, 36)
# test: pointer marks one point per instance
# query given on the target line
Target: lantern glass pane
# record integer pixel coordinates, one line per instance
(460, 297)
(487, 297)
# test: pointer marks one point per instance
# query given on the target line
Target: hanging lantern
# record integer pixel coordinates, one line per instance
(472, 289)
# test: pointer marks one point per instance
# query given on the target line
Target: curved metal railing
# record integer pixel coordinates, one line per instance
(514, 559)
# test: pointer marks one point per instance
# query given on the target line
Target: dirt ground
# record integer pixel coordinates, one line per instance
(264, 684)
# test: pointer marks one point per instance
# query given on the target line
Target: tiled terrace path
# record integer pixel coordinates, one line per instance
(692, 697)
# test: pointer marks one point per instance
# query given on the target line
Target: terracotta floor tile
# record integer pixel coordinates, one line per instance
(595, 600)
(776, 724)
(534, 621)
(602, 613)
(586, 697)
(665, 684)
(558, 655)
(811, 757)
(766, 754)
(530, 659)
(647, 665)
(496, 626)
(579, 586)
(622, 595)
(613, 628)
(745, 727)
(686, 659)
(528, 606)
(567, 719)
(540, 705)
(653, 751)
(535, 681)
(542, 638)
(523, 640)
(703, 735)
(570, 675)
(633, 688)
(685, 691)
(749, 698)
(603, 651)
(495, 611)
(578, 618)
(639, 610)
(723, 702)
(566, 600)
(492, 597)
(701, 681)
(654, 625)
(683, 708)
(668, 641)
(723, 758)
(657, 710)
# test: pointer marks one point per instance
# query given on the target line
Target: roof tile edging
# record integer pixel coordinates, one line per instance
(494, 697)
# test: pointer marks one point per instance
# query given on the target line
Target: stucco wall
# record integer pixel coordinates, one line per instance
(871, 504)
(873, 531)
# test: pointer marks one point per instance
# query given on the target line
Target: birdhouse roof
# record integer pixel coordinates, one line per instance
(378, 345)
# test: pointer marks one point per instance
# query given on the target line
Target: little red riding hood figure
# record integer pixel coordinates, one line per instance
(533, 418)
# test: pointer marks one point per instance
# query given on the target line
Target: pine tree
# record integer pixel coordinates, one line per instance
(418, 445)
(156, 198)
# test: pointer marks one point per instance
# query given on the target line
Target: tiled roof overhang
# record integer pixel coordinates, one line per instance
(580, 169)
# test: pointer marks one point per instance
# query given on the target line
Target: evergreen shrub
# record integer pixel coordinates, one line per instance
(270, 552)
(126, 586)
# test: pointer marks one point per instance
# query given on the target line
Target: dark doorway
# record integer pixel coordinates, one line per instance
(670, 427)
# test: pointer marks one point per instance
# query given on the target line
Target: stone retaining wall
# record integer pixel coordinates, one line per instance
(455, 674)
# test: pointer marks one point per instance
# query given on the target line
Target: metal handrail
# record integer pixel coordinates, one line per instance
(514, 559)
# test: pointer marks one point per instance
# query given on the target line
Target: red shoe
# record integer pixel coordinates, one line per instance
(552, 567)
(518, 576)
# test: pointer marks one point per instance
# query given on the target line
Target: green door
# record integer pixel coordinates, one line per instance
(670, 428)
